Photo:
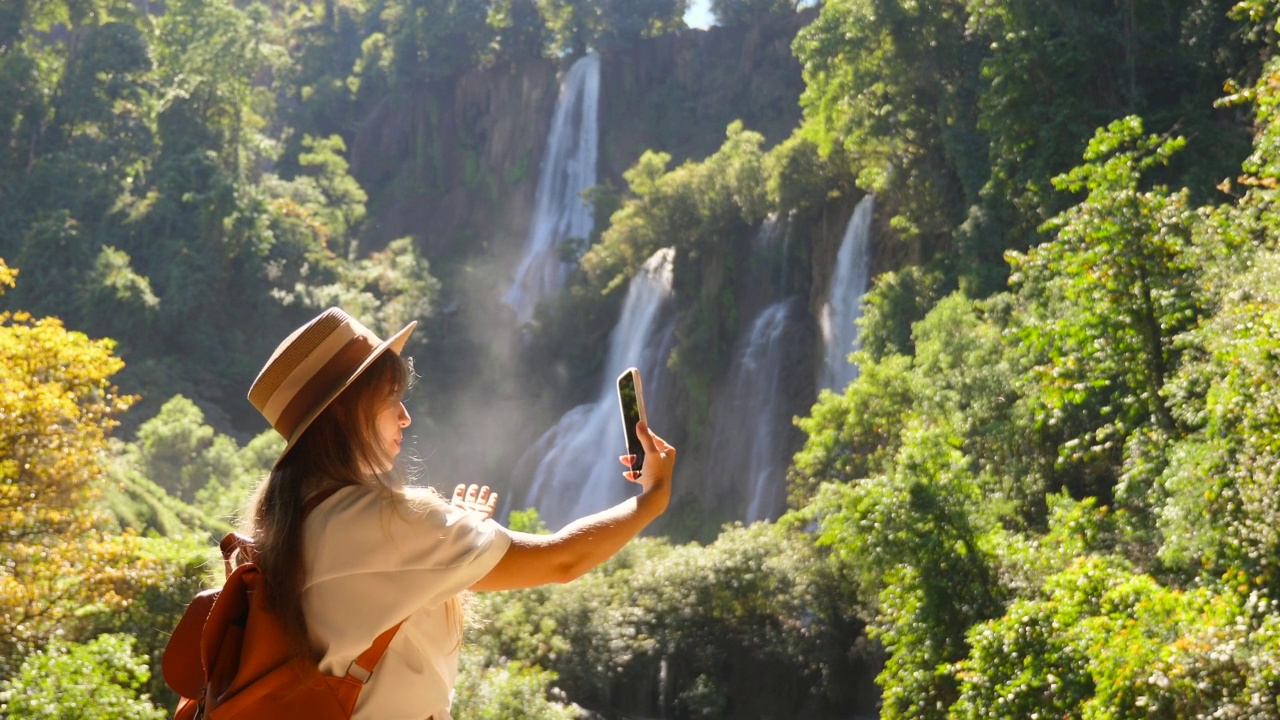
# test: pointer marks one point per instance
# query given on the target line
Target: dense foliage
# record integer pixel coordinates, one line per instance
(687, 625)
(1040, 492)
(1051, 498)
(99, 679)
(69, 571)
(1051, 490)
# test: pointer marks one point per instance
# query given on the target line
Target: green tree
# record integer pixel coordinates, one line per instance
(894, 85)
(739, 607)
(343, 205)
(199, 228)
(854, 434)
(1105, 641)
(207, 56)
(744, 12)
(99, 680)
(1054, 73)
(921, 542)
(171, 571)
(511, 690)
(896, 300)
(170, 443)
(1221, 517)
(964, 378)
(21, 100)
(757, 599)
(1098, 307)
(521, 34)
(434, 39)
(389, 288)
(959, 378)
(569, 24)
(115, 299)
(623, 22)
(85, 134)
(577, 26)
(234, 473)
(800, 178)
(178, 451)
(59, 571)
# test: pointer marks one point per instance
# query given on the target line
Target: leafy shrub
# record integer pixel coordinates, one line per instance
(1106, 642)
(679, 629)
(98, 680)
(510, 690)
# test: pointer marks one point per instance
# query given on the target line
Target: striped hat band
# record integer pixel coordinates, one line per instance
(312, 366)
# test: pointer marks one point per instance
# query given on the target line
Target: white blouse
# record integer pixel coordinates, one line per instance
(374, 559)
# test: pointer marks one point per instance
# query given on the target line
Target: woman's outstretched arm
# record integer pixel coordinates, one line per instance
(585, 543)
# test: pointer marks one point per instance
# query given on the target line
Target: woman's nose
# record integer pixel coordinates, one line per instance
(404, 416)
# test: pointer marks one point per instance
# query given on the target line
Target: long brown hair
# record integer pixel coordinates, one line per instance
(337, 449)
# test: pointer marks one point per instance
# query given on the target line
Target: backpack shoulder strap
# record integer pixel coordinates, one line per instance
(314, 501)
(192, 625)
(362, 667)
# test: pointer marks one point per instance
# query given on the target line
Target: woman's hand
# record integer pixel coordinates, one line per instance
(659, 461)
(475, 499)
(533, 560)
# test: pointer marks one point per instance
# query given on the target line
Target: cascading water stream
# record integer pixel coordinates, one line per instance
(574, 465)
(839, 319)
(749, 452)
(772, 244)
(568, 168)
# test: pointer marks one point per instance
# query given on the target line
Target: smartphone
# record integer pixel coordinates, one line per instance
(631, 400)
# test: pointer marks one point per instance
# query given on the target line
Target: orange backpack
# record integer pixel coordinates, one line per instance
(229, 656)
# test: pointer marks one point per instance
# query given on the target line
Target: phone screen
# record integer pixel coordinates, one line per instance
(631, 400)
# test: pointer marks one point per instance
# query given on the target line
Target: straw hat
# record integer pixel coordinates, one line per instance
(312, 366)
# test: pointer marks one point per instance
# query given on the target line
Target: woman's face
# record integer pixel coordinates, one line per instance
(392, 419)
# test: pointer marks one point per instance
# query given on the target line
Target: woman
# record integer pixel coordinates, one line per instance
(352, 552)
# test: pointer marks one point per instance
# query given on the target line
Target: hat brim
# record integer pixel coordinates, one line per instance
(395, 343)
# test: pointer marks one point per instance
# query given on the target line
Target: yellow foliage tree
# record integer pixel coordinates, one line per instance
(59, 563)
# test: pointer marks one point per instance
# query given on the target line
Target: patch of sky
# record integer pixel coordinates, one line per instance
(699, 14)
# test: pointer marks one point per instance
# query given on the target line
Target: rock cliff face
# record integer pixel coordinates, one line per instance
(455, 163)
(678, 92)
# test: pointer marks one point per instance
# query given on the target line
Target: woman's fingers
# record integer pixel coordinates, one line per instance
(477, 498)
(651, 442)
(659, 458)
(628, 461)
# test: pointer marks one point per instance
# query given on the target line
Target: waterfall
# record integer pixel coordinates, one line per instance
(750, 449)
(840, 313)
(771, 248)
(574, 464)
(568, 167)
